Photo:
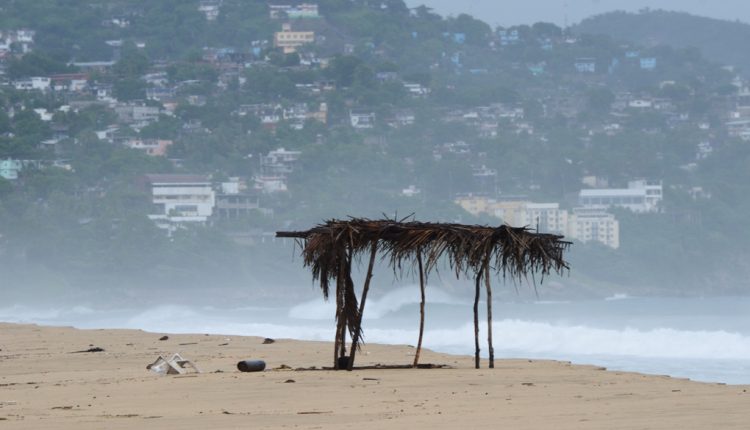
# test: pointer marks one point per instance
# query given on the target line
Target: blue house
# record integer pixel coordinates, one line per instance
(9, 169)
(459, 38)
(648, 63)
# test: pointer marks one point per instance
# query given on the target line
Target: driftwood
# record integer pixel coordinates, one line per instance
(330, 249)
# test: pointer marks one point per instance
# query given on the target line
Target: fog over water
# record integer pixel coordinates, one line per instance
(704, 339)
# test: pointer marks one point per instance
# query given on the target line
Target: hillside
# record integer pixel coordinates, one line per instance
(721, 41)
(281, 116)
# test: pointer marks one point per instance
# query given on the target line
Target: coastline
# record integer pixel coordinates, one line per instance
(44, 385)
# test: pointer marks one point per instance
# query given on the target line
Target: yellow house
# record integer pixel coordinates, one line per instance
(289, 40)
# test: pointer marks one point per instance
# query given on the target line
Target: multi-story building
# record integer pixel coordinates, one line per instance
(39, 83)
(545, 217)
(594, 224)
(584, 224)
(289, 40)
(641, 196)
(153, 147)
(180, 199)
(235, 201)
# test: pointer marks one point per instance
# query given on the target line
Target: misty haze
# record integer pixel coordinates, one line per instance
(150, 151)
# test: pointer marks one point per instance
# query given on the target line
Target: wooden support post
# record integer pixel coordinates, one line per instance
(365, 290)
(340, 319)
(489, 313)
(476, 320)
(421, 308)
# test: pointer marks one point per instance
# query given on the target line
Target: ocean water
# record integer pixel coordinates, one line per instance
(704, 339)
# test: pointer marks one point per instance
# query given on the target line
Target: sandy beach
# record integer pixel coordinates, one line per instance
(44, 385)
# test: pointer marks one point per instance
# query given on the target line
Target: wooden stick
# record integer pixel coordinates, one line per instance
(489, 313)
(476, 321)
(421, 308)
(340, 322)
(365, 290)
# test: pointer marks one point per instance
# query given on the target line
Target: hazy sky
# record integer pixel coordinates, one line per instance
(513, 12)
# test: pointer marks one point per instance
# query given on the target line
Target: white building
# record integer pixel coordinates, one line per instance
(275, 168)
(304, 10)
(547, 217)
(210, 8)
(641, 196)
(362, 119)
(594, 224)
(584, 224)
(41, 83)
(180, 199)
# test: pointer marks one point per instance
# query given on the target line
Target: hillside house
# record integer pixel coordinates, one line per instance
(210, 8)
(648, 63)
(152, 147)
(180, 199)
(585, 65)
(137, 115)
(416, 90)
(289, 40)
(301, 11)
(22, 39)
(94, 66)
(361, 119)
(508, 37)
(35, 83)
(71, 82)
(235, 201)
(10, 168)
(402, 118)
(641, 196)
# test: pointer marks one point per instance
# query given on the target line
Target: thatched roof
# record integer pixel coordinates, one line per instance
(329, 249)
(511, 251)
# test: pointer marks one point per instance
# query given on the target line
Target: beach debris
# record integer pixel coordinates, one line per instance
(94, 349)
(164, 338)
(251, 365)
(268, 340)
(223, 344)
(188, 343)
(290, 381)
(283, 367)
(176, 365)
(314, 412)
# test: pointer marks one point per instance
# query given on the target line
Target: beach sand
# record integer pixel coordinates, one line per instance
(45, 386)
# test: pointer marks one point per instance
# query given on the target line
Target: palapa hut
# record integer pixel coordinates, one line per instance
(330, 249)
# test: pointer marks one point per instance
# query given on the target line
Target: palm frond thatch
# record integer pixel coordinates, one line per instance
(330, 248)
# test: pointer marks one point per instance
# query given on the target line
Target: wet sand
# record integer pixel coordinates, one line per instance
(43, 385)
